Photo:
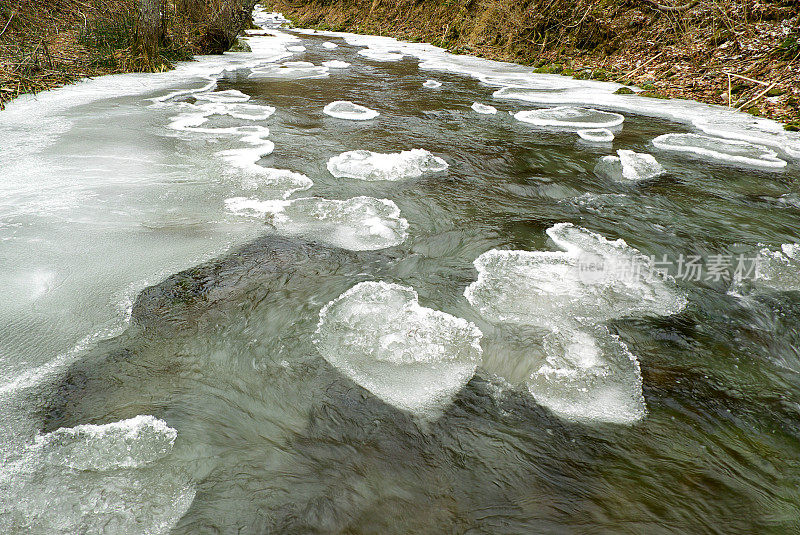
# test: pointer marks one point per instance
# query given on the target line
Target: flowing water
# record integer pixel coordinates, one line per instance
(414, 314)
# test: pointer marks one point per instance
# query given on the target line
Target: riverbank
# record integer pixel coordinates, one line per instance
(54, 42)
(677, 52)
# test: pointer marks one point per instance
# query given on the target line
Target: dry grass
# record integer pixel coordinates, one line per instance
(47, 43)
(605, 39)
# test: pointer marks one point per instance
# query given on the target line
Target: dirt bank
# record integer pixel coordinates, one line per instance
(47, 43)
(669, 49)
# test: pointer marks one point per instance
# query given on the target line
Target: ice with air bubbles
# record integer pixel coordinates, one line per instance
(342, 109)
(629, 166)
(358, 224)
(372, 166)
(412, 357)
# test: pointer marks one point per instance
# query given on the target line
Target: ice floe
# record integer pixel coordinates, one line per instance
(412, 357)
(342, 109)
(484, 109)
(96, 479)
(592, 280)
(329, 45)
(381, 55)
(335, 64)
(291, 70)
(725, 150)
(589, 375)
(570, 117)
(227, 96)
(296, 48)
(777, 270)
(597, 135)
(366, 165)
(358, 224)
(629, 165)
(432, 84)
(125, 444)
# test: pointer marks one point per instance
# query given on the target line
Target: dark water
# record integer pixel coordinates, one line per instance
(276, 440)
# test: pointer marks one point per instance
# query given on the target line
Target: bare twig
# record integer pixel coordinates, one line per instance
(7, 23)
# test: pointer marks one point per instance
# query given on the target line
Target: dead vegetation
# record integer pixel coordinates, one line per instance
(670, 47)
(47, 43)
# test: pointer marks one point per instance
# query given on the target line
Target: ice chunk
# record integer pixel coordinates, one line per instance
(592, 280)
(229, 95)
(126, 444)
(342, 109)
(96, 479)
(412, 357)
(366, 165)
(432, 84)
(358, 224)
(293, 70)
(597, 135)
(778, 270)
(329, 45)
(589, 375)
(336, 64)
(378, 54)
(726, 150)
(276, 183)
(629, 165)
(483, 108)
(570, 117)
(296, 48)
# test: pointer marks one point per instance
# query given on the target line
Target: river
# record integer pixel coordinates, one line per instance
(345, 284)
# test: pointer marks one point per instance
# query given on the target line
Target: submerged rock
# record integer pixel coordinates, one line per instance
(412, 357)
